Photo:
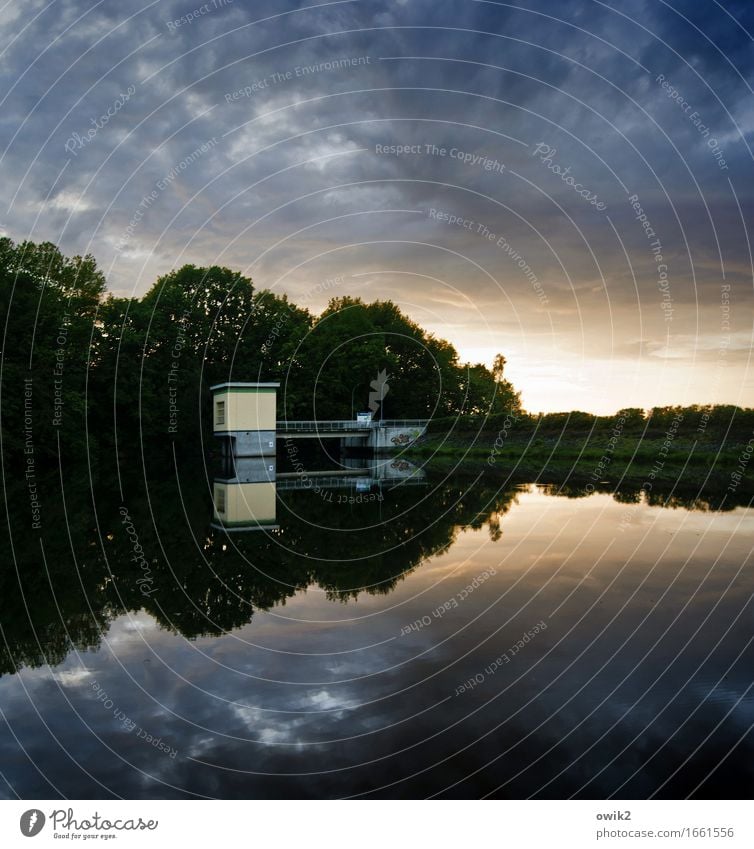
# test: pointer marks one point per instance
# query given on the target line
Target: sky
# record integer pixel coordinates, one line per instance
(568, 183)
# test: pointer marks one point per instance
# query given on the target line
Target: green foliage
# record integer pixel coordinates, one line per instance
(135, 372)
(709, 426)
(48, 309)
(200, 581)
(131, 374)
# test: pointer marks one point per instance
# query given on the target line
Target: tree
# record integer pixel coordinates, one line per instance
(134, 372)
(48, 310)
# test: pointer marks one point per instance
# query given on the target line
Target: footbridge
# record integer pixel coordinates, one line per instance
(244, 417)
(389, 434)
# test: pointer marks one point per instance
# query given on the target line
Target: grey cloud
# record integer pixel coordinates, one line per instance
(578, 85)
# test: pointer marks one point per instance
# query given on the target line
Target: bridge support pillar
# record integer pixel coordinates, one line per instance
(393, 437)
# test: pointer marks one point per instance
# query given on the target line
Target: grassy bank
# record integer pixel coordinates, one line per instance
(632, 459)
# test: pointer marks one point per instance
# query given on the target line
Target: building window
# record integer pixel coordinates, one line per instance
(219, 412)
(220, 500)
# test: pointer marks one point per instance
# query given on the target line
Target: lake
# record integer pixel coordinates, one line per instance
(392, 632)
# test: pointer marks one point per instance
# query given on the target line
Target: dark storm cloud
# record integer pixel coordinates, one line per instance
(248, 134)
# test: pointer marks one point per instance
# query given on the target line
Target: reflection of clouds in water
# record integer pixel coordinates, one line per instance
(123, 629)
(325, 701)
(72, 677)
(264, 728)
(206, 698)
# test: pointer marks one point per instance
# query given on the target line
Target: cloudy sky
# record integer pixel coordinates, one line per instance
(568, 183)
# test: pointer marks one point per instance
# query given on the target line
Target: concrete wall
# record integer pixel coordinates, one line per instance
(393, 438)
(248, 443)
(253, 469)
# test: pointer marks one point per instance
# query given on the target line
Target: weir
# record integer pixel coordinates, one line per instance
(245, 419)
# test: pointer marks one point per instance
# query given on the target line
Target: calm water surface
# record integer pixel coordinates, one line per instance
(446, 637)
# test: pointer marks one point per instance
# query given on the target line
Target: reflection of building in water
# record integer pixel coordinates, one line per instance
(384, 471)
(245, 492)
(359, 473)
(244, 497)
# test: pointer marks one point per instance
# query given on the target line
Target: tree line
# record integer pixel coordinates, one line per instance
(707, 424)
(85, 371)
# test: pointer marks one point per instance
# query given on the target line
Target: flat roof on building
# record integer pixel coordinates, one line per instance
(239, 385)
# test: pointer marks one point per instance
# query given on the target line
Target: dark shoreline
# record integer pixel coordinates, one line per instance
(691, 470)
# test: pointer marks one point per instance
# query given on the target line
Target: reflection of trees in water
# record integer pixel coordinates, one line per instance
(668, 495)
(206, 583)
(203, 582)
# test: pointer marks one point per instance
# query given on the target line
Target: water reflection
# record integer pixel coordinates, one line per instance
(334, 639)
(315, 529)
(324, 529)
(244, 496)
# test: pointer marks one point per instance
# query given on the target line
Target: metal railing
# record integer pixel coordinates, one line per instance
(420, 423)
(323, 482)
(339, 425)
(322, 426)
(344, 482)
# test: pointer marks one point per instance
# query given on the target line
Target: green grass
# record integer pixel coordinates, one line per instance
(577, 457)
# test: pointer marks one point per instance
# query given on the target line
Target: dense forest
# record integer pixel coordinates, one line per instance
(84, 372)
